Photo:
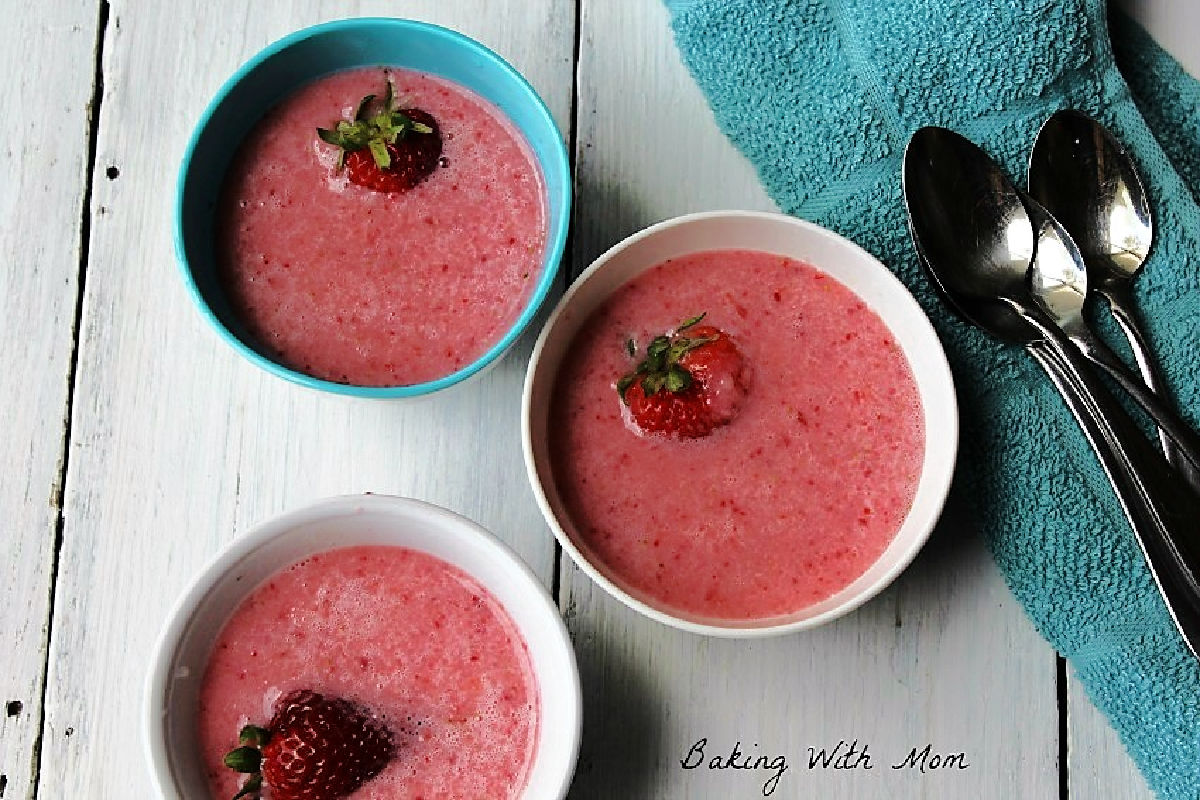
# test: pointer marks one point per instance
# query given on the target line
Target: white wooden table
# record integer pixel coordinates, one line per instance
(135, 443)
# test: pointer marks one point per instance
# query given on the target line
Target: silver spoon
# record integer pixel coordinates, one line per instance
(1090, 184)
(1059, 284)
(975, 238)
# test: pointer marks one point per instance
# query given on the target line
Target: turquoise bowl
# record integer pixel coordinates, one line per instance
(303, 57)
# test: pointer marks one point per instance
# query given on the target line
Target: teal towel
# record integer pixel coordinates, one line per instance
(822, 96)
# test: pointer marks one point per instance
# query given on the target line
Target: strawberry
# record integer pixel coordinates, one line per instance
(390, 151)
(315, 748)
(691, 382)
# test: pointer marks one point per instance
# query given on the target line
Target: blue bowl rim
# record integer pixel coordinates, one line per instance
(555, 240)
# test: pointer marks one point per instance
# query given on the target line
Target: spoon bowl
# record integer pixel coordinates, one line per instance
(1087, 181)
(973, 233)
(1058, 278)
(1083, 176)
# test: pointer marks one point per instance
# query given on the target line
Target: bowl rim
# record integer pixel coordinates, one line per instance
(939, 487)
(179, 617)
(557, 227)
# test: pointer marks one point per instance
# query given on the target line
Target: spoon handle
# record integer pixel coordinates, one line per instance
(1120, 301)
(1163, 512)
(1186, 440)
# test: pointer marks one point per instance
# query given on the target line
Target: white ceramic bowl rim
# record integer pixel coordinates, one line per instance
(935, 384)
(560, 726)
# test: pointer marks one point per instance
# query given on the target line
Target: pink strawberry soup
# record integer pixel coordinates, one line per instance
(404, 635)
(787, 504)
(374, 289)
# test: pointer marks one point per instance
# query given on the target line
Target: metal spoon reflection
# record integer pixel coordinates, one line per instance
(975, 237)
(1059, 284)
(1083, 176)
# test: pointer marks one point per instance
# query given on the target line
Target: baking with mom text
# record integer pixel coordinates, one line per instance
(841, 756)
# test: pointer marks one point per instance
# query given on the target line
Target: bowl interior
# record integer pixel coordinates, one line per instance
(310, 54)
(837, 257)
(173, 689)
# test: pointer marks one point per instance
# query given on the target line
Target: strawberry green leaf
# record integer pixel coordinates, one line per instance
(354, 135)
(389, 98)
(379, 152)
(254, 735)
(335, 138)
(624, 383)
(361, 114)
(678, 350)
(658, 346)
(683, 345)
(677, 379)
(385, 129)
(653, 382)
(687, 323)
(420, 127)
(244, 759)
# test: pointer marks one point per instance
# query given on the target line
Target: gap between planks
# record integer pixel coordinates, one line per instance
(566, 268)
(103, 12)
(1064, 741)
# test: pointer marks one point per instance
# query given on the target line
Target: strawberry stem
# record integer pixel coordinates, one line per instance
(252, 786)
(379, 152)
(248, 758)
(373, 132)
(660, 369)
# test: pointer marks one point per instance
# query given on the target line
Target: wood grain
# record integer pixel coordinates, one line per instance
(942, 658)
(46, 54)
(177, 443)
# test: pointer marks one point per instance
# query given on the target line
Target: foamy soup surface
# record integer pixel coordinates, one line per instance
(783, 506)
(404, 635)
(374, 289)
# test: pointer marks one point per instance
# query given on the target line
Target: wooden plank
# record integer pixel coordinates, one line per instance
(46, 54)
(1173, 24)
(177, 443)
(1099, 765)
(942, 658)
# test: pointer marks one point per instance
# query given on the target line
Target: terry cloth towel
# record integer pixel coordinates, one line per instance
(822, 96)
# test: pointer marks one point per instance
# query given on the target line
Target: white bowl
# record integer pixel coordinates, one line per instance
(797, 239)
(178, 663)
